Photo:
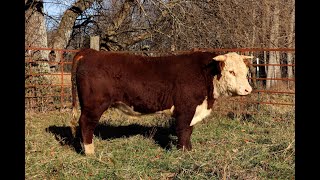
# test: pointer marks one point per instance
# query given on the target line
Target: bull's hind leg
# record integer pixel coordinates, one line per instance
(88, 122)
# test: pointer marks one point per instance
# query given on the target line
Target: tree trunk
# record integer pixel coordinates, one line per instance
(94, 42)
(274, 56)
(264, 35)
(36, 34)
(253, 28)
(62, 35)
(109, 41)
(291, 43)
(173, 46)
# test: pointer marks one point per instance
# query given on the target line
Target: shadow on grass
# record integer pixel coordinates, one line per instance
(161, 135)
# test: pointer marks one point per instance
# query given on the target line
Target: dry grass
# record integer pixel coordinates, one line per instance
(255, 147)
(240, 105)
(56, 78)
(246, 141)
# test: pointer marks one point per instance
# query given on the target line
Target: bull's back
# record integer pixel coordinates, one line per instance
(138, 68)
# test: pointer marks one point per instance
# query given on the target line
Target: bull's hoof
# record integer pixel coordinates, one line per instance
(89, 149)
(185, 147)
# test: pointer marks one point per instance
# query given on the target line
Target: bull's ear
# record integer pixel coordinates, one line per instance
(221, 66)
(247, 59)
(247, 62)
(220, 58)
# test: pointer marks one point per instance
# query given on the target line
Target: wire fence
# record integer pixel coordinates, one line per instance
(51, 90)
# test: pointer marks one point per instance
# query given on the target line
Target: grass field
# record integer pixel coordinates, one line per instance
(260, 146)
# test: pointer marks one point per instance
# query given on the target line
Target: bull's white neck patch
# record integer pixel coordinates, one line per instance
(202, 112)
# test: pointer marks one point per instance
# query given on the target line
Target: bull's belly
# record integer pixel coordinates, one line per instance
(201, 111)
(131, 111)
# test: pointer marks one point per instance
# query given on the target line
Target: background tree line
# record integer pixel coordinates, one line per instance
(167, 25)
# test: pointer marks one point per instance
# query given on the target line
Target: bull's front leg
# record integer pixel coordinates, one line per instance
(183, 129)
(184, 138)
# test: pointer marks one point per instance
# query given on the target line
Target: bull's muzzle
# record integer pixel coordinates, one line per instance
(245, 90)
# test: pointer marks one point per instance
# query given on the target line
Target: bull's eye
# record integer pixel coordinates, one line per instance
(233, 73)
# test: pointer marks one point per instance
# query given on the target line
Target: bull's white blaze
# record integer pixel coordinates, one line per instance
(233, 80)
(89, 148)
(202, 112)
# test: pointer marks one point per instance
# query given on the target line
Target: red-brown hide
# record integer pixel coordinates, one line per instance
(148, 84)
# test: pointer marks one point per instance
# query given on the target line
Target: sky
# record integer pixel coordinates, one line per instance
(53, 8)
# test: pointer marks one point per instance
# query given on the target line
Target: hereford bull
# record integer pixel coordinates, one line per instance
(187, 84)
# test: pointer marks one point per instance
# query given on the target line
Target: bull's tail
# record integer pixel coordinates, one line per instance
(74, 120)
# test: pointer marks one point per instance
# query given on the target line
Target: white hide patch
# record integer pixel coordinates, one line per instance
(89, 149)
(202, 112)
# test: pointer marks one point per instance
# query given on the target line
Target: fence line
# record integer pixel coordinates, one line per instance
(59, 90)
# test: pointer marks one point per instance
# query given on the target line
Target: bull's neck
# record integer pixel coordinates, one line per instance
(216, 93)
(218, 88)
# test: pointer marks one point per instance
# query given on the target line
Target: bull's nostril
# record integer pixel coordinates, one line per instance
(246, 90)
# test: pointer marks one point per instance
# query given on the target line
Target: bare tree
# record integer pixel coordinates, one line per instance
(63, 33)
(274, 56)
(35, 33)
(290, 34)
(178, 25)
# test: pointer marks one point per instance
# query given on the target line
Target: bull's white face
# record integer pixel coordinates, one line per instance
(233, 80)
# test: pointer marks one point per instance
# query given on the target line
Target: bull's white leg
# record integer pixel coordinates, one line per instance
(202, 112)
(89, 149)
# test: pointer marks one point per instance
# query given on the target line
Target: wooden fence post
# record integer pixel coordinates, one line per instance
(94, 42)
